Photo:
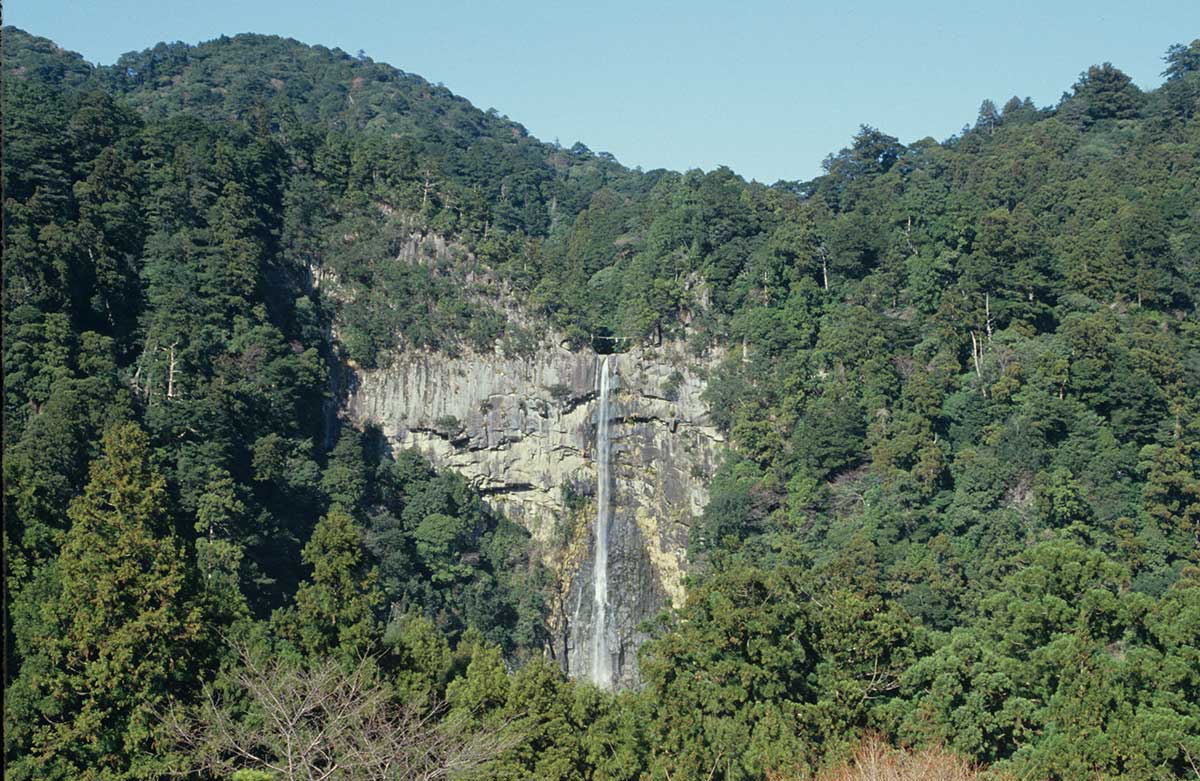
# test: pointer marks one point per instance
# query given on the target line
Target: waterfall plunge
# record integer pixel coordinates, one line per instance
(602, 672)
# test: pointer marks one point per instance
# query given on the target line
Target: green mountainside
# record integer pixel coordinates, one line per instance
(960, 507)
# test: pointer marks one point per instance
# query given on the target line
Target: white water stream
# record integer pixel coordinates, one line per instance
(602, 667)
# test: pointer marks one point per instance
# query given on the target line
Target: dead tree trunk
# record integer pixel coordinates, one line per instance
(977, 357)
(987, 309)
(171, 372)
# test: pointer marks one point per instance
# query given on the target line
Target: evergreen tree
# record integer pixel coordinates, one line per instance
(1182, 60)
(989, 118)
(1107, 93)
(335, 609)
(113, 629)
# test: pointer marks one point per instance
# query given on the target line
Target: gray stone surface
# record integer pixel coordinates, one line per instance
(522, 428)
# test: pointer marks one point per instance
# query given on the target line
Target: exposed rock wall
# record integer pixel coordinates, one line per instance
(522, 429)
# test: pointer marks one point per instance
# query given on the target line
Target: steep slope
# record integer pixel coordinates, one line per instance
(525, 430)
(402, 295)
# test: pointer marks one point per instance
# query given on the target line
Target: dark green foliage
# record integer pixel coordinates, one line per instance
(442, 552)
(335, 609)
(1107, 93)
(1063, 652)
(759, 675)
(1182, 60)
(109, 631)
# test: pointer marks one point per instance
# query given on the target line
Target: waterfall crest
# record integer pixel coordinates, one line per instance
(602, 668)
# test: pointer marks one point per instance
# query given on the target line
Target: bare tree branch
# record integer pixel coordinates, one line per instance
(324, 721)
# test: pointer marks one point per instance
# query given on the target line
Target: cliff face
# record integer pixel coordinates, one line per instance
(523, 430)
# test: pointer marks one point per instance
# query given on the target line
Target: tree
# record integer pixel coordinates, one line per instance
(118, 631)
(345, 477)
(1018, 111)
(440, 540)
(1171, 496)
(321, 720)
(989, 117)
(1108, 93)
(1042, 681)
(1182, 60)
(871, 154)
(730, 676)
(335, 609)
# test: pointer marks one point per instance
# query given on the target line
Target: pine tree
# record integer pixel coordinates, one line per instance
(114, 630)
(335, 609)
(1107, 92)
(989, 118)
(1182, 60)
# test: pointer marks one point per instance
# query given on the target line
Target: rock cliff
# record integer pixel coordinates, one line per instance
(522, 428)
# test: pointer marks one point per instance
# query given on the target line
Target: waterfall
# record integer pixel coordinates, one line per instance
(602, 672)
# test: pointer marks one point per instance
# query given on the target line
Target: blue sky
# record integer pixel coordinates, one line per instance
(767, 88)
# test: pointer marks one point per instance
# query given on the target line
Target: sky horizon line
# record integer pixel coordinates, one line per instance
(739, 113)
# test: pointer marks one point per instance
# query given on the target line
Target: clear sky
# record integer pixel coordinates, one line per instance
(767, 88)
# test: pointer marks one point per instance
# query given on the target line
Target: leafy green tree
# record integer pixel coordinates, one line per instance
(540, 704)
(345, 479)
(1171, 495)
(421, 656)
(989, 117)
(729, 676)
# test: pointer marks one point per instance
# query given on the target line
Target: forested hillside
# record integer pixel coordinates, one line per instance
(960, 507)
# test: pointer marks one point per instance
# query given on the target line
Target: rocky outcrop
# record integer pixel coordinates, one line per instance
(522, 428)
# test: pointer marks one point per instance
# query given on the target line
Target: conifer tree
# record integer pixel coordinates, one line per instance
(335, 609)
(114, 629)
